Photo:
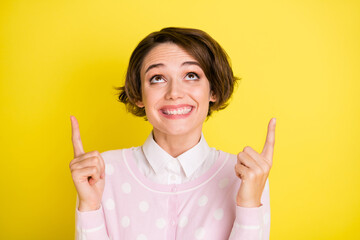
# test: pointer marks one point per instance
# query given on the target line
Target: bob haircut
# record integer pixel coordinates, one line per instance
(212, 59)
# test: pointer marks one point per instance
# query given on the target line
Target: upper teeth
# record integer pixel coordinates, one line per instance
(184, 110)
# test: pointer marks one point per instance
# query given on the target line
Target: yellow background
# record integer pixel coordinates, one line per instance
(299, 61)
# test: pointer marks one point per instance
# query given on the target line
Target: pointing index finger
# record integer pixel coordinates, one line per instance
(268, 149)
(76, 140)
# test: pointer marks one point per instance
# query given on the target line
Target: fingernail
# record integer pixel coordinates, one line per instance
(274, 120)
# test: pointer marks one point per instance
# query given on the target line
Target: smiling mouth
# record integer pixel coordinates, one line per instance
(177, 111)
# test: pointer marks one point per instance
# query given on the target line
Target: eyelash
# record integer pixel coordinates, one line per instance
(194, 74)
(186, 75)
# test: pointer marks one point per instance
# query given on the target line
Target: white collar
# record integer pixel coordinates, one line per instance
(190, 160)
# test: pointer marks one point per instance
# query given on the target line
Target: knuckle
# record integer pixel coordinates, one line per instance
(259, 172)
(93, 153)
(73, 167)
(72, 162)
(266, 163)
(94, 170)
(237, 170)
(101, 160)
(94, 160)
(240, 154)
(247, 148)
(251, 174)
(267, 167)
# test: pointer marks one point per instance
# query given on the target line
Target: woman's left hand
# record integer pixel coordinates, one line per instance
(253, 169)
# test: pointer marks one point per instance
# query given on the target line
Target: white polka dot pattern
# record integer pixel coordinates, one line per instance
(141, 237)
(144, 206)
(200, 233)
(160, 223)
(110, 204)
(183, 221)
(218, 214)
(203, 200)
(126, 188)
(150, 215)
(125, 221)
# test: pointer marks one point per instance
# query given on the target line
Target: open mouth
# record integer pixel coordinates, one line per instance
(177, 111)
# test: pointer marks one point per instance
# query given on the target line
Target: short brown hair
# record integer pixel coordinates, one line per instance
(212, 59)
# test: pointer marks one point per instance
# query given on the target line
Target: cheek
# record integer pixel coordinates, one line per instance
(201, 95)
(150, 98)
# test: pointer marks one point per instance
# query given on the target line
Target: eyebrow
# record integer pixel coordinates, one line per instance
(161, 65)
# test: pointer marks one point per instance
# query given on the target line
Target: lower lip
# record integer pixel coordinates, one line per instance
(177, 116)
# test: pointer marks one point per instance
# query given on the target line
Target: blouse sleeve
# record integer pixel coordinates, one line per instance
(90, 225)
(253, 223)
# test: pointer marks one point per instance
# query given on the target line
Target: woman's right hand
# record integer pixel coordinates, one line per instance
(88, 172)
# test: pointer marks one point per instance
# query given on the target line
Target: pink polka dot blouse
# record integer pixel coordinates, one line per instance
(134, 207)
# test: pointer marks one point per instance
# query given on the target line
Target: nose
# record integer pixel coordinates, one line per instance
(174, 90)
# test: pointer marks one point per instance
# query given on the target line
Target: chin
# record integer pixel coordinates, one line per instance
(176, 127)
(176, 131)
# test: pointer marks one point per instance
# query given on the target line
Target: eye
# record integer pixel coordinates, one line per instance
(157, 79)
(192, 76)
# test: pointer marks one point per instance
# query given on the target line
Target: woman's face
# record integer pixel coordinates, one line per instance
(175, 91)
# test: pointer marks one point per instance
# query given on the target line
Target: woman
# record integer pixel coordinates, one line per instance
(174, 186)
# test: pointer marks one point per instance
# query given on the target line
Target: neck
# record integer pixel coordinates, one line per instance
(176, 145)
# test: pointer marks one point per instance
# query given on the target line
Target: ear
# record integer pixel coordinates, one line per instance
(140, 104)
(212, 97)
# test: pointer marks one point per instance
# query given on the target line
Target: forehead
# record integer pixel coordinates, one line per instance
(166, 53)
